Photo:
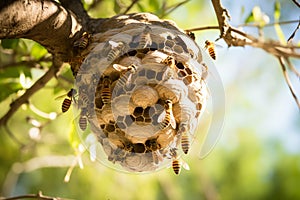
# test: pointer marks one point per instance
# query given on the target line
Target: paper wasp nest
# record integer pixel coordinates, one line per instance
(141, 89)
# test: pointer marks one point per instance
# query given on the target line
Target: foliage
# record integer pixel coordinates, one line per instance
(251, 161)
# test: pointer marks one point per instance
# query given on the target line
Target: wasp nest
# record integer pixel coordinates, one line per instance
(141, 88)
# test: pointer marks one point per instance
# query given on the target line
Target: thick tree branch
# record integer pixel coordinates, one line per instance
(45, 22)
(77, 8)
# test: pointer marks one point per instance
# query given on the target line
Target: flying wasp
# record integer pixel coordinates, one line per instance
(106, 90)
(83, 41)
(177, 163)
(66, 104)
(210, 46)
(124, 80)
(167, 118)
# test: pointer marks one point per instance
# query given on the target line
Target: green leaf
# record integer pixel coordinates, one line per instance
(250, 18)
(154, 4)
(242, 10)
(9, 43)
(117, 7)
(141, 8)
(9, 86)
(280, 34)
(257, 14)
(257, 17)
(14, 72)
(277, 27)
(276, 10)
(38, 51)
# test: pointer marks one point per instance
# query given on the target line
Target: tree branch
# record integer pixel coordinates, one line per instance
(27, 63)
(235, 37)
(294, 33)
(15, 105)
(287, 79)
(130, 6)
(77, 8)
(202, 28)
(45, 22)
(296, 2)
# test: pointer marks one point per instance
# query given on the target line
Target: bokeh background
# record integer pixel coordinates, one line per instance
(257, 155)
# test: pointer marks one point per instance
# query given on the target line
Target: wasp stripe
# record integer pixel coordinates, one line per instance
(66, 105)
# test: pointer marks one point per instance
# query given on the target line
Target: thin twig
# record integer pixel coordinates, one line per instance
(235, 37)
(294, 33)
(296, 2)
(291, 66)
(26, 63)
(130, 6)
(15, 105)
(203, 28)
(39, 196)
(269, 24)
(13, 137)
(288, 81)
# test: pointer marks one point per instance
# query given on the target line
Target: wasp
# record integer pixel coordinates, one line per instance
(116, 50)
(121, 152)
(118, 155)
(83, 119)
(66, 104)
(146, 38)
(124, 80)
(105, 90)
(153, 146)
(191, 35)
(177, 163)
(167, 118)
(185, 140)
(210, 46)
(157, 157)
(170, 61)
(204, 71)
(83, 41)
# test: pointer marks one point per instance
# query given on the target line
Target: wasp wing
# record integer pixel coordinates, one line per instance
(161, 117)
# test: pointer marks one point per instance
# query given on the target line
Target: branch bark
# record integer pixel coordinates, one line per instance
(234, 37)
(45, 22)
